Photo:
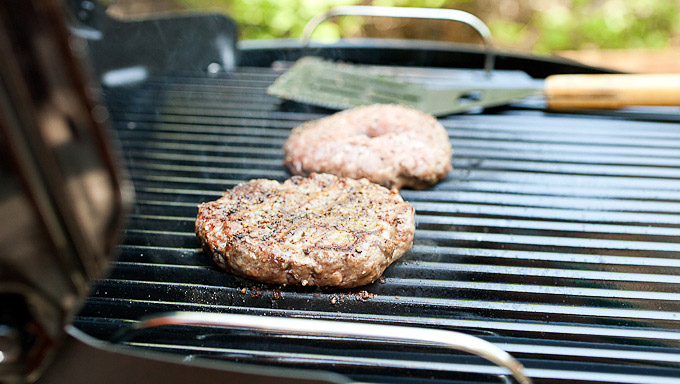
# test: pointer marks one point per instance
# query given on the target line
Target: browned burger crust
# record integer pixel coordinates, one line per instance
(392, 145)
(322, 230)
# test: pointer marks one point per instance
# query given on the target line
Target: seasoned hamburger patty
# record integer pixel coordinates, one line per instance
(322, 230)
(392, 145)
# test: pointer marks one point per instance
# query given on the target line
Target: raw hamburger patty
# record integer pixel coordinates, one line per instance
(322, 230)
(392, 145)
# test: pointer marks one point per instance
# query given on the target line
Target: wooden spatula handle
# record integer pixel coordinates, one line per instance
(611, 91)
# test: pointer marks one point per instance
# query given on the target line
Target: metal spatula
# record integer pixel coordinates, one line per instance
(445, 91)
(335, 85)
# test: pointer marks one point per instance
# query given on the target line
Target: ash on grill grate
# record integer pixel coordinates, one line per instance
(556, 237)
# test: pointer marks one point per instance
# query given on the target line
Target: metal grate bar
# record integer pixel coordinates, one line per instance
(116, 309)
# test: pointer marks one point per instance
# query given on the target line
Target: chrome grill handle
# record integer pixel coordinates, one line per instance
(312, 327)
(411, 13)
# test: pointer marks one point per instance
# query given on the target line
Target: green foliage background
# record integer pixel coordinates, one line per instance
(541, 26)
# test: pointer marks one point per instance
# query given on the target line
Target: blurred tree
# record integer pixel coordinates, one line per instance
(537, 25)
(263, 19)
(580, 24)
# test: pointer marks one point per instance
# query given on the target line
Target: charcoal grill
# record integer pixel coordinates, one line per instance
(555, 237)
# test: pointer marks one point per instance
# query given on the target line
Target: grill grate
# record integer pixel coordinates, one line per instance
(556, 237)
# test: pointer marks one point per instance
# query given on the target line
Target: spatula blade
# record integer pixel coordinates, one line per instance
(334, 85)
